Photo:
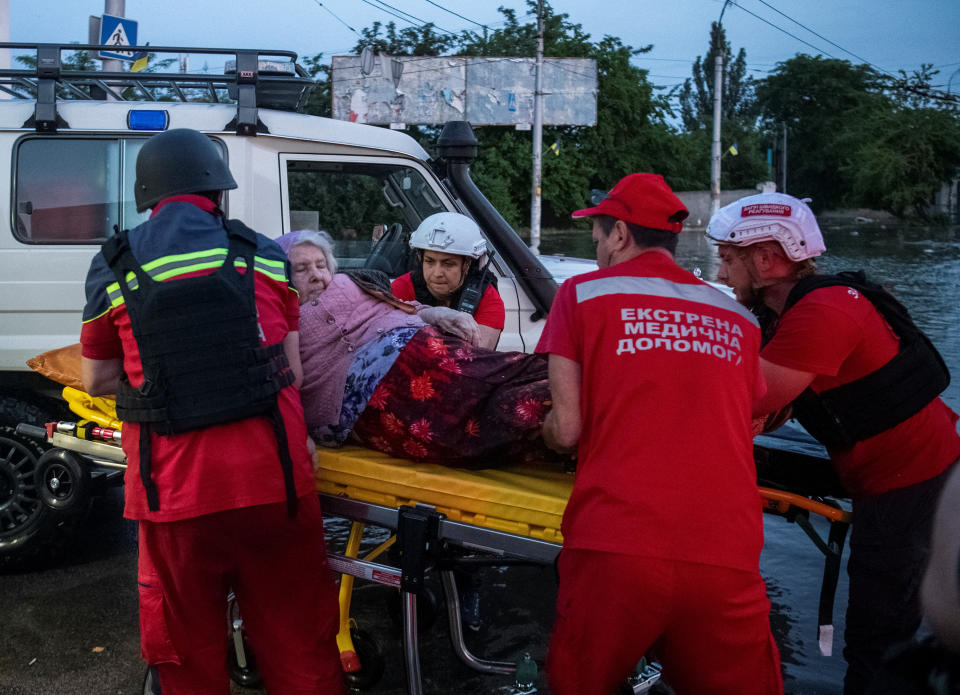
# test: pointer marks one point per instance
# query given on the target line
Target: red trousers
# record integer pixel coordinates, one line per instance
(708, 626)
(277, 568)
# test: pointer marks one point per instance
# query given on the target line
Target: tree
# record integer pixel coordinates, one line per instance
(738, 118)
(631, 132)
(320, 102)
(858, 138)
(410, 41)
(907, 154)
(824, 103)
(82, 61)
(696, 96)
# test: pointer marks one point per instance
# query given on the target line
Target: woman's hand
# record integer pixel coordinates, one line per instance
(452, 321)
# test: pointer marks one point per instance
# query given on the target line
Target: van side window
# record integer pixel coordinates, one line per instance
(73, 190)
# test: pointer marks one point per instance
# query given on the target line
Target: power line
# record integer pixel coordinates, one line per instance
(338, 19)
(436, 4)
(396, 16)
(419, 22)
(767, 21)
(820, 36)
(404, 12)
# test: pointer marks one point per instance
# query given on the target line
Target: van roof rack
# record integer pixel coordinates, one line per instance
(249, 80)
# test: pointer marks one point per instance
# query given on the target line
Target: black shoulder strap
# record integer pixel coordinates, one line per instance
(118, 254)
(857, 280)
(236, 228)
(114, 247)
(890, 308)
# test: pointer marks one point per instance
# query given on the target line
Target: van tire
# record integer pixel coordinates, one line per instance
(31, 533)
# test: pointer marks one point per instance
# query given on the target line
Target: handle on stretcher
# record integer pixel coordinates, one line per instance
(779, 502)
(31, 431)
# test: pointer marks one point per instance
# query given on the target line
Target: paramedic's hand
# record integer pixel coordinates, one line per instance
(452, 321)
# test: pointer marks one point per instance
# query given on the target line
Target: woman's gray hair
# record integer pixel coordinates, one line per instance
(319, 238)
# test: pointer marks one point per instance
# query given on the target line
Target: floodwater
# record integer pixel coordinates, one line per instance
(922, 268)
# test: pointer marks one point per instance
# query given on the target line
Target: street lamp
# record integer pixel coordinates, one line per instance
(717, 91)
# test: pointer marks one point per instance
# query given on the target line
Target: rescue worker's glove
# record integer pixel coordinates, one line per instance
(452, 321)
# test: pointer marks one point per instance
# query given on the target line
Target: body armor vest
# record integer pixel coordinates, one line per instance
(898, 390)
(199, 344)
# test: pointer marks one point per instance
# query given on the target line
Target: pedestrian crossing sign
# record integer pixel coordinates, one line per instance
(119, 32)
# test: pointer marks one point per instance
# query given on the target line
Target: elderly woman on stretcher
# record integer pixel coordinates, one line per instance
(405, 378)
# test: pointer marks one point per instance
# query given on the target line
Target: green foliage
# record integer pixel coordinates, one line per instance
(738, 119)
(855, 137)
(320, 102)
(909, 154)
(824, 103)
(76, 60)
(409, 41)
(631, 133)
(696, 96)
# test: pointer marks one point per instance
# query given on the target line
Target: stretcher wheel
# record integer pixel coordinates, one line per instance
(242, 667)
(428, 607)
(248, 675)
(151, 682)
(62, 481)
(371, 661)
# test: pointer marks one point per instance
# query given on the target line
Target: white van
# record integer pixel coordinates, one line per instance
(71, 140)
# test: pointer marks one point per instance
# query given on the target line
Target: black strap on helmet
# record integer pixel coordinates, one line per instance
(468, 295)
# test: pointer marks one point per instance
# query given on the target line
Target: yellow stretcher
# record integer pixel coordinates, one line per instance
(512, 513)
(508, 515)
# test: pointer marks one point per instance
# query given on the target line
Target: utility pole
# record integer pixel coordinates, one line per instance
(537, 137)
(117, 8)
(5, 36)
(783, 161)
(719, 47)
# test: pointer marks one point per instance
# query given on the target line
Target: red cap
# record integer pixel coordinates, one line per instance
(643, 199)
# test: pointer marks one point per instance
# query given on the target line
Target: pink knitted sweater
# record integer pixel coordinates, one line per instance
(332, 327)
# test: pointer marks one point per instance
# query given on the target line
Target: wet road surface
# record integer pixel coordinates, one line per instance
(72, 629)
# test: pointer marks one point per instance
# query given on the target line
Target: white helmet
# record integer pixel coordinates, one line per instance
(449, 232)
(769, 217)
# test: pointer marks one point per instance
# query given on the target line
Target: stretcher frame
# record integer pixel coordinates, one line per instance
(422, 533)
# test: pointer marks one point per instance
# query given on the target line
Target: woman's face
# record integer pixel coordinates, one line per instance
(443, 273)
(311, 275)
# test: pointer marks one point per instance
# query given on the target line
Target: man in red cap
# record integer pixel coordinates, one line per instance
(653, 374)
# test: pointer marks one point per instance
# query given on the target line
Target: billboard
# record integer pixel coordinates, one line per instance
(482, 90)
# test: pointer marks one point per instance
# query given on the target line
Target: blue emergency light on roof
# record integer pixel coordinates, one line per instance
(144, 119)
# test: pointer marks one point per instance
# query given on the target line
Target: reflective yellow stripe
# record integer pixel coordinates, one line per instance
(167, 267)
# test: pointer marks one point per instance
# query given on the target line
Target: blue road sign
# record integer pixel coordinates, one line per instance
(119, 32)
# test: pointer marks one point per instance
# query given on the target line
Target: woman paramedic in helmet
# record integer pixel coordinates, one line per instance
(452, 271)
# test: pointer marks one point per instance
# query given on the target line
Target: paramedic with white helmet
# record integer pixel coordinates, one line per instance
(865, 382)
(453, 271)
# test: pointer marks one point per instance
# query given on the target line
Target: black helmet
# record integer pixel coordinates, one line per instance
(179, 161)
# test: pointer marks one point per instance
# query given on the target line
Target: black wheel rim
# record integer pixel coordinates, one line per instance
(19, 498)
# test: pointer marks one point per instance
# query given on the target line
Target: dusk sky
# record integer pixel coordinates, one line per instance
(890, 35)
